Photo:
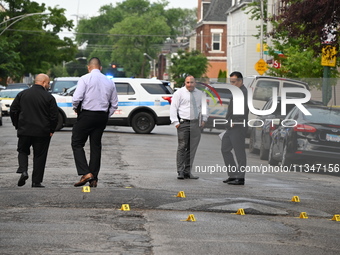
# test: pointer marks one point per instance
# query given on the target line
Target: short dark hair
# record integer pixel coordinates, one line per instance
(95, 61)
(237, 74)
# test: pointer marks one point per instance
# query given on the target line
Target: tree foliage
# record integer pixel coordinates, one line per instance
(295, 42)
(253, 10)
(32, 42)
(188, 63)
(124, 32)
(306, 19)
(135, 39)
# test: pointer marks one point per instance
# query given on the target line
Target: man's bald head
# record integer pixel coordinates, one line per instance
(94, 63)
(42, 80)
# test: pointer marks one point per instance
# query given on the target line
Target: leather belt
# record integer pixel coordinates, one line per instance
(93, 111)
(184, 120)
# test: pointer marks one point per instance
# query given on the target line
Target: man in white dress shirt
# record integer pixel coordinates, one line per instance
(187, 116)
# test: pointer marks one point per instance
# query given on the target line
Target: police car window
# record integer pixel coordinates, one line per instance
(155, 88)
(294, 94)
(264, 90)
(124, 89)
(223, 93)
(60, 86)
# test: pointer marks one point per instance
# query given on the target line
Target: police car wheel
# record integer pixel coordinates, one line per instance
(143, 123)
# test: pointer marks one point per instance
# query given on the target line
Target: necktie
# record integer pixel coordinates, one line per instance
(194, 105)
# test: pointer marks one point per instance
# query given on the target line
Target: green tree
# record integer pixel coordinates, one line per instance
(299, 56)
(188, 63)
(111, 37)
(134, 38)
(306, 19)
(9, 62)
(253, 9)
(34, 39)
(222, 76)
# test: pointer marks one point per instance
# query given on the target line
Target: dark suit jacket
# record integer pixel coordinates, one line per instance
(34, 112)
(238, 118)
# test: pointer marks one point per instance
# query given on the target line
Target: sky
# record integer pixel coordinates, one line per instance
(89, 8)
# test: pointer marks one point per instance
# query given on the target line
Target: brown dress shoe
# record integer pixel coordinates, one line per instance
(84, 179)
(93, 183)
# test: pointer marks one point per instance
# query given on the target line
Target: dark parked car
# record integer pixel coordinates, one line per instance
(262, 128)
(307, 139)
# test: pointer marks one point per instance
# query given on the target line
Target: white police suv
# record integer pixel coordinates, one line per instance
(142, 104)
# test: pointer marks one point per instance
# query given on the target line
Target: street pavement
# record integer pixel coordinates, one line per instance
(139, 170)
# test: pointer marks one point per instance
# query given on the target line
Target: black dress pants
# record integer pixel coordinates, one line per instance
(90, 124)
(189, 136)
(235, 139)
(40, 148)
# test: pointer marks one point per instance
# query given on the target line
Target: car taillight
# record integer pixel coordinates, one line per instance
(272, 128)
(167, 99)
(304, 128)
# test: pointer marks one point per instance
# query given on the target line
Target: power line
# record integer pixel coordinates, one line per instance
(115, 35)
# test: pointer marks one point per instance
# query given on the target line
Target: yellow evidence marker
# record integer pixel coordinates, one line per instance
(125, 207)
(191, 217)
(86, 189)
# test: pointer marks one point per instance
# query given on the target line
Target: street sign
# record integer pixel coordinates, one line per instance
(264, 47)
(276, 52)
(261, 66)
(277, 64)
(328, 55)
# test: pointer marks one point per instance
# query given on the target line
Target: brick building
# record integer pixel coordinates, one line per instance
(211, 34)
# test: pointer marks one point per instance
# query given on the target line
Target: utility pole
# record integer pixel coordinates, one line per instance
(261, 31)
(328, 59)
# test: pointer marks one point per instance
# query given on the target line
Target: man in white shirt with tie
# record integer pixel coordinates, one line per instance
(187, 116)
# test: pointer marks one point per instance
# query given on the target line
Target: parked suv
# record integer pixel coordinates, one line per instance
(262, 87)
(142, 104)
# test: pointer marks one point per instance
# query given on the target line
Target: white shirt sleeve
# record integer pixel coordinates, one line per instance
(174, 108)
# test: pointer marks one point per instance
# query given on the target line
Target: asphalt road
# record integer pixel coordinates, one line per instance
(139, 170)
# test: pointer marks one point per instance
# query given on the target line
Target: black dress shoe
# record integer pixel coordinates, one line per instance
(37, 185)
(236, 182)
(93, 183)
(180, 176)
(23, 178)
(190, 176)
(229, 180)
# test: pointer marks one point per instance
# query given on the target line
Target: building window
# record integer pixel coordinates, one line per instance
(216, 42)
